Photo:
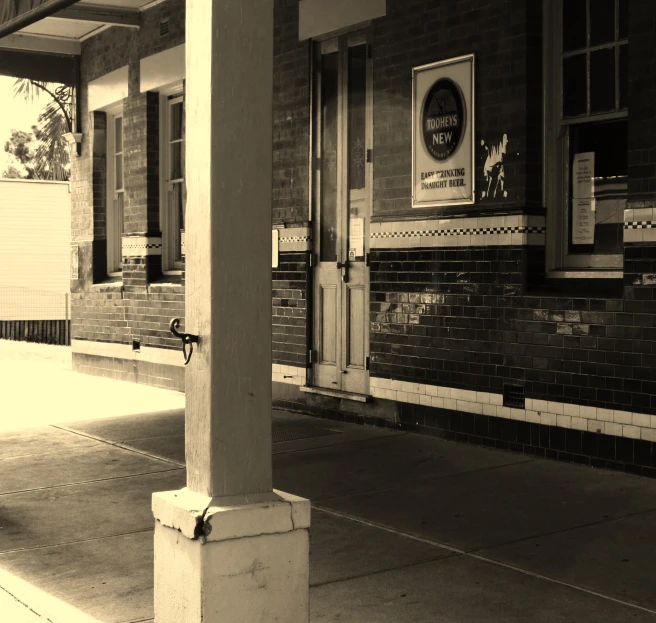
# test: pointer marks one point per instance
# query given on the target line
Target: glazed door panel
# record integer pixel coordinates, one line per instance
(341, 199)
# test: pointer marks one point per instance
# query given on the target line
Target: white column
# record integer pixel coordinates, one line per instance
(228, 547)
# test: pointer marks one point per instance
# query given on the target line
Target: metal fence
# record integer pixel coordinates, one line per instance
(35, 315)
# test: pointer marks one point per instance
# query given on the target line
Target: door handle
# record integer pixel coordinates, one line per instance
(344, 265)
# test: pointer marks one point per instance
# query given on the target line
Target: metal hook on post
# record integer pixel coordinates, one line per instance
(187, 338)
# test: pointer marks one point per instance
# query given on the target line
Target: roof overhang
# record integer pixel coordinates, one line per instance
(60, 26)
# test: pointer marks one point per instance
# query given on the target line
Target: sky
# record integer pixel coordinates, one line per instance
(15, 114)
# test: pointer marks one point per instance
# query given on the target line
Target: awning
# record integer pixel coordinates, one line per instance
(60, 26)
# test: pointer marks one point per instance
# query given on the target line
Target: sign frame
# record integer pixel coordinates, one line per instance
(470, 120)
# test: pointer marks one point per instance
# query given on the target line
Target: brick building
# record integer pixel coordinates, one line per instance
(520, 315)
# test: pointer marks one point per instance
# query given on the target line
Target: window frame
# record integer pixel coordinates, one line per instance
(115, 222)
(556, 171)
(169, 97)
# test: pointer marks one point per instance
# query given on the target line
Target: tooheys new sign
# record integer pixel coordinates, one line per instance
(443, 131)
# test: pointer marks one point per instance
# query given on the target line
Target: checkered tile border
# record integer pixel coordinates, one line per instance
(475, 231)
(295, 239)
(482, 231)
(141, 246)
(289, 239)
(639, 225)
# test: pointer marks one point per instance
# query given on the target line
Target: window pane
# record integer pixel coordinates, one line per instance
(607, 142)
(357, 149)
(602, 80)
(574, 35)
(118, 172)
(624, 76)
(602, 21)
(176, 161)
(574, 86)
(328, 212)
(120, 218)
(118, 135)
(177, 202)
(357, 115)
(624, 19)
(176, 121)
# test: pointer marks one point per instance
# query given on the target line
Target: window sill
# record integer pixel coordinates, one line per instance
(111, 285)
(167, 284)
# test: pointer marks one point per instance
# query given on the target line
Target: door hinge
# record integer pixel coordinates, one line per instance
(366, 363)
(370, 155)
(310, 356)
(311, 259)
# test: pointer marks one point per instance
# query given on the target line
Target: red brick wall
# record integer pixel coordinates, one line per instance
(291, 117)
(506, 38)
(139, 308)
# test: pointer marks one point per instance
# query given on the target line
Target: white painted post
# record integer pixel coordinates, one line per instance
(228, 547)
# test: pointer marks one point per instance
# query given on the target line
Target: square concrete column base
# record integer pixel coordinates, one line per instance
(217, 561)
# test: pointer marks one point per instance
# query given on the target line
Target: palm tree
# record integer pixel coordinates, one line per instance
(51, 157)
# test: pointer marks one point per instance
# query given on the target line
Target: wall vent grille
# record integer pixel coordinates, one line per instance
(513, 396)
(164, 27)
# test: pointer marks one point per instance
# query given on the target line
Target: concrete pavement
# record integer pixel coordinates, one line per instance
(404, 527)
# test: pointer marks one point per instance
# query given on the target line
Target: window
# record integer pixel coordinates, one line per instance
(115, 191)
(173, 188)
(586, 121)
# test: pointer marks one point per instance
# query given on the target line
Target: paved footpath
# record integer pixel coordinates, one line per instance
(404, 527)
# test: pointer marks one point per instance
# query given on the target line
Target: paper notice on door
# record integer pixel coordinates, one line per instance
(356, 238)
(583, 177)
(583, 221)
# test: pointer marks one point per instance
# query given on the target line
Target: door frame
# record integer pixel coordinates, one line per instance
(363, 34)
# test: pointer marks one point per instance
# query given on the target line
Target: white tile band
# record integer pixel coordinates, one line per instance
(151, 354)
(288, 374)
(565, 415)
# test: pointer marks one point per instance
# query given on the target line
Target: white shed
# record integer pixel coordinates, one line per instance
(35, 250)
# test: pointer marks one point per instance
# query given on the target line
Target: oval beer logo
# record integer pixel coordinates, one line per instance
(443, 119)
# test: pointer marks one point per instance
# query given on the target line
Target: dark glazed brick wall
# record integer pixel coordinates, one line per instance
(289, 308)
(459, 317)
(505, 36)
(291, 117)
(640, 271)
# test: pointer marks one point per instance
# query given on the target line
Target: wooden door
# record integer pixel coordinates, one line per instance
(342, 204)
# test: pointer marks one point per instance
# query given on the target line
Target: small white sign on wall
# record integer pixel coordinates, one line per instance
(275, 236)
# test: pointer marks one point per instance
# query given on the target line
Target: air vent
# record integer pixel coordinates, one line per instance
(513, 396)
(136, 346)
(164, 27)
